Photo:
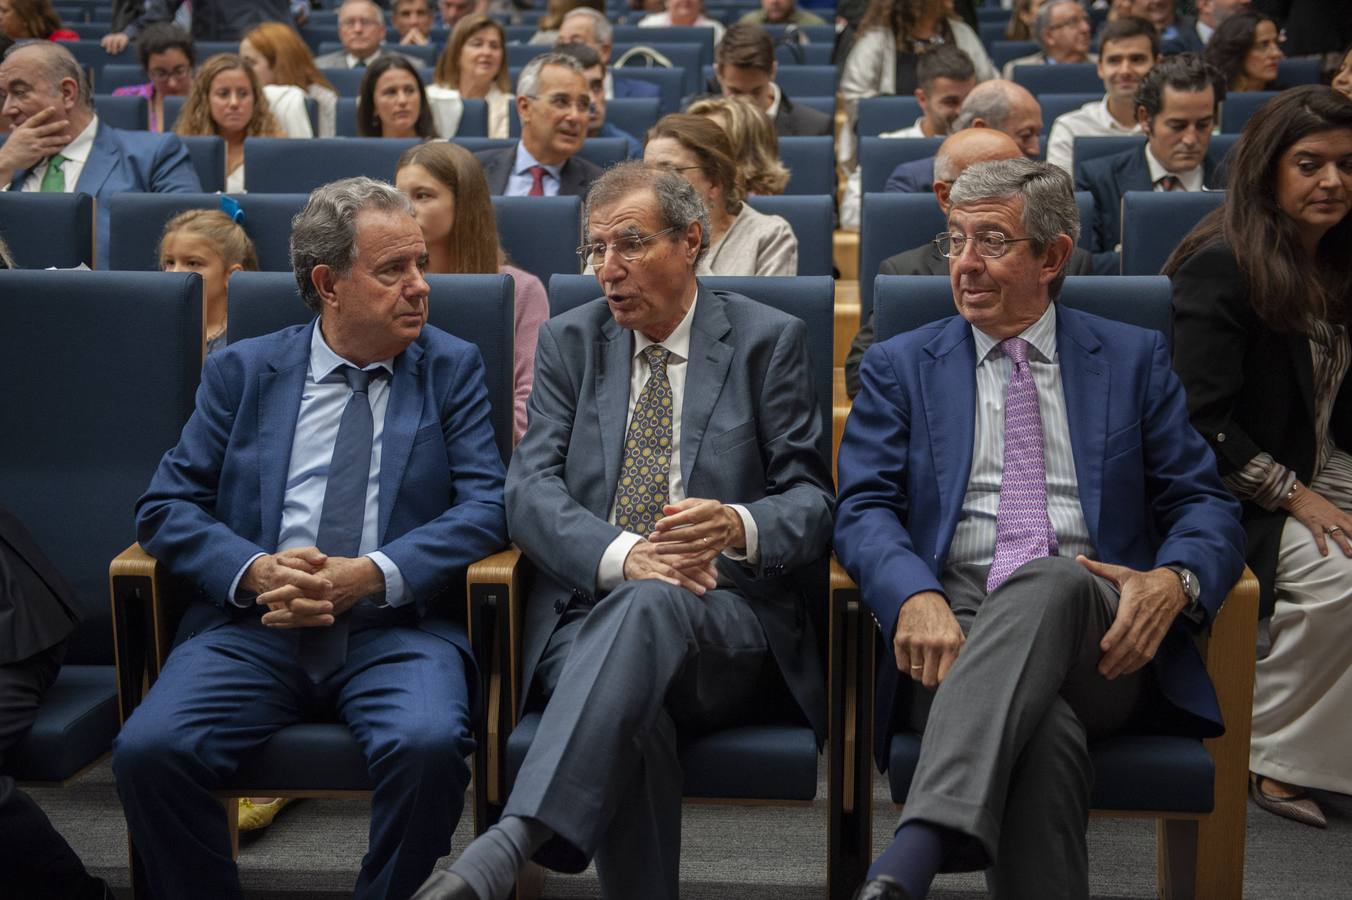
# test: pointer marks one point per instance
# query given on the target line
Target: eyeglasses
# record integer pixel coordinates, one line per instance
(166, 74)
(1075, 22)
(989, 244)
(561, 102)
(632, 248)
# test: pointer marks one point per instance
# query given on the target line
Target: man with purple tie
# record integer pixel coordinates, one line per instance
(1038, 531)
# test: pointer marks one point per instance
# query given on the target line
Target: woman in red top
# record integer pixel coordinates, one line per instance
(24, 19)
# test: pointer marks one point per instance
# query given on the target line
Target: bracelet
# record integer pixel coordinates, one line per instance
(1291, 494)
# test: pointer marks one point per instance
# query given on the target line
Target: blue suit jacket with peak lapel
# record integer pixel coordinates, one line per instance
(119, 161)
(1147, 480)
(216, 499)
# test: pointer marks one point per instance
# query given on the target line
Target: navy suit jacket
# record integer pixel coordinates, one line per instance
(216, 499)
(1109, 177)
(632, 87)
(1186, 41)
(1147, 480)
(129, 161)
(913, 177)
(575, 175)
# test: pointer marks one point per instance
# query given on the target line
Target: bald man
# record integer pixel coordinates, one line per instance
(956, 153)
(998, 104)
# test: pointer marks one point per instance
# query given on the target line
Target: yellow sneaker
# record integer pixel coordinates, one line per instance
(253, 816)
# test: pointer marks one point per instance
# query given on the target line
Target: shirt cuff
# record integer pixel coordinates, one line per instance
(610, 570)
(752, 555)
(394, 580)
(233, 596)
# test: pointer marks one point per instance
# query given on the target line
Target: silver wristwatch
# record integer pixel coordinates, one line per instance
(1192, 589)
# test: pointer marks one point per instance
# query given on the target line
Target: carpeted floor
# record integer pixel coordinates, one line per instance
(314, 850)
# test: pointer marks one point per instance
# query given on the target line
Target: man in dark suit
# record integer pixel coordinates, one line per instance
(675, 440)
(554, 105)
(59, 144)
(956, 154)
(744, 65)
(327, 495)
(1036, 527)
(1176, 106)
(584, 25)
(37, 613)
(361, 28)
(1195, 31)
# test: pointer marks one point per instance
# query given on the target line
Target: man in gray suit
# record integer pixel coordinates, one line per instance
(673, 491)
(361, 28)
(554, 104)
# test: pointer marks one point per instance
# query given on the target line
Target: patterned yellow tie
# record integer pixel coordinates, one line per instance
(643, 488)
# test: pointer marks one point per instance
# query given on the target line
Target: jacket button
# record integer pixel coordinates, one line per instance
(1220, 438)
(560, 605)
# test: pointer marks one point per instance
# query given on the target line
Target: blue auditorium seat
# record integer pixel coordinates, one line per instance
(48, 230)
(887, 113)
(811, 219)
(1239, 106)
(1056, 105)
(1002, 52)
(128, 113)
(790, 55)
(824, 105)
(811, 162)
(1298, 70)
(687, 57)
(634, 114)
(1153, 224)
(1066, 78)
(137, 220)
(815, 34)
(670, 84)
(540, 234)
(207, 152)
(814, 81)
(283, 166)
(116, 75)
(879, 156)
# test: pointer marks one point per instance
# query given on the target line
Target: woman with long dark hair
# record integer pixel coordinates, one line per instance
(392, 101)
(1262, 308)
(1246, 48)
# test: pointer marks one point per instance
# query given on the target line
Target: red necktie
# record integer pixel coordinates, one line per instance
(537, 185)
(1171, 183)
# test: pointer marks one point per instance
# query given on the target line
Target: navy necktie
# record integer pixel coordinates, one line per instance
(322, 650)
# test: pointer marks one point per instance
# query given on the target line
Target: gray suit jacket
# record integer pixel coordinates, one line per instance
(338, 59)
(750, 434)
(575, 177)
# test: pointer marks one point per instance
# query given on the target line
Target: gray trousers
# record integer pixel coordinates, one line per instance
(621, 677)
(1004, 757)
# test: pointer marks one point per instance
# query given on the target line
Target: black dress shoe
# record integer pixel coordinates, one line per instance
(884, 887)
(445, 885)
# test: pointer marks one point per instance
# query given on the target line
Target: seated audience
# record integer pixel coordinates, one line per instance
(413, 20)
(33, 20)
(226, 100)
(1128, 48)
(282, 62)
(392, 102)
(452, 206)
(1176, 106)
(754, 145)
(958, 152)
(210, 243)
(592, 70)
(1246, 50)
(683, 13)
(741, 241)
(553, 103)
(1062, 31)
(472, 67)
(590, 27)
(780, 12)
(168, 56)
(1262, 308)
(947, 76)
(1194, 32)
(1342, 79)
(1163, 14)
(661, 614)
(361, 29)
(744, 65)
(893, 35)
(59, 144)
(1026, 623)
(212, 20)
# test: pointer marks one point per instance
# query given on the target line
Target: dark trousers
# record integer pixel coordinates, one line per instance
(223, 693)
(35, 861)
(1004, 757)
(621, 677)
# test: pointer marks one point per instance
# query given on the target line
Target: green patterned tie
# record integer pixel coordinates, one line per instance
(643, 488)
(54, 180)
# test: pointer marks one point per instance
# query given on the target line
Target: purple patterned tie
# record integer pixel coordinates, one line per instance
(1023, 531)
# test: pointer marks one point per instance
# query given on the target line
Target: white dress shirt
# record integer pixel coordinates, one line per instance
(974, 538)
(774, 106)
(1194, 180)
(76, 154)
(322, 402)
(610, 571)
(1091, 120)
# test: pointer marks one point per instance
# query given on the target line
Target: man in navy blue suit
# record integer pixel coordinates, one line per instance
(1038, 532)
(327, 495)
(59, 144)
(587, 26)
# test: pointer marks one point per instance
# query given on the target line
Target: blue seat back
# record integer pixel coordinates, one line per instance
(1153, 224)
(127, 113)
(1056, 105)
(93, 57)
(824, 105)
(670, 84)
(1239, 106)
(48, 230)
(793, 55)
(283, 166)
(207, 152)
(815, 81)
(810, 216)
(811, 162)
(475, 308)
(634, 114)
(627, 35)
(879, 156)
(116, 75)
(1066, 78)
(689, 58)
(1298, 70)
(540, 234)
(815, 34)
(108, 384)
(879, 114)
(1002, 52)
(137, 220)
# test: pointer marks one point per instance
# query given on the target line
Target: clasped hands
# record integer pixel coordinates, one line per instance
(305, 588)
(928, 638)
(684, 544)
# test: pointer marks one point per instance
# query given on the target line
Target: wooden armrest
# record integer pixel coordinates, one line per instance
(850, 711)
(840, 579)
(496, 596)
(134, 587)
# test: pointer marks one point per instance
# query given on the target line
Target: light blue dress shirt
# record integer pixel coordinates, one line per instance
(519, 182)
(307, 476)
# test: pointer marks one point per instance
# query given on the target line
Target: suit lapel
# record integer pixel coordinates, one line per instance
(613, 351)
(705, 374)
(279, 393)
(1085, 382)
(403, 415)
(1303, 363)
(948, 386)
(103, 157)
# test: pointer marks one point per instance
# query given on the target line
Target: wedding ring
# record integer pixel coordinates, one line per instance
(1335, 530)
(913, 668)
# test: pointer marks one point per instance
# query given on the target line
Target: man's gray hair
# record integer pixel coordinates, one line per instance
(1042, 20)
(944, 168)
(601, 28)
(677, 203)
(990, 101)
(324, 233)
(1049, 208)
(56, 63)
(528, 82)
(380, 12)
